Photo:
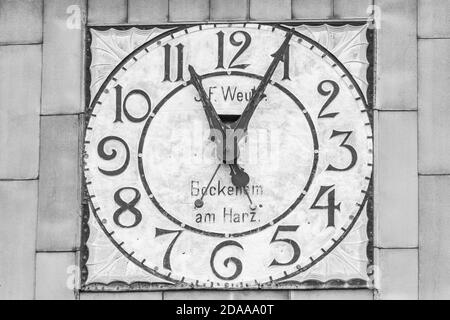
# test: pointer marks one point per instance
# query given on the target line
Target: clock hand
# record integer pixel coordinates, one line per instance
(239, 177)
(242, 124)
(252, 205)
(215, 124)
(199, 202)
(225, 153)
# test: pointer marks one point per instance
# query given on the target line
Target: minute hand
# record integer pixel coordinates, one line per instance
(244, 120)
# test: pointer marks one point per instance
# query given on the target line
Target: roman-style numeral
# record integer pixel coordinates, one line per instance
(168, 64)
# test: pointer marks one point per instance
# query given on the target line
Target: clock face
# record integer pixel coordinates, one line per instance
(228, 155)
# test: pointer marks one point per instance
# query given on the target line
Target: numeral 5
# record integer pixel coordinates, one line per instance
(292, 243)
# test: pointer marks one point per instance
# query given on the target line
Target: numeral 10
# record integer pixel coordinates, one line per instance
(121, 104)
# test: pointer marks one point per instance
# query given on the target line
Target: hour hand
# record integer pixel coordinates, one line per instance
(239, 177)
(213, 118)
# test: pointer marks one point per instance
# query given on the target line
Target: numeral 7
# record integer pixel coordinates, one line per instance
(161, 232)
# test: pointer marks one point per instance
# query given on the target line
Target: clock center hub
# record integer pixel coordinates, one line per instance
(238, 189)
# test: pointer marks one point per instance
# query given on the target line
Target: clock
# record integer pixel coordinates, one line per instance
(228, 156)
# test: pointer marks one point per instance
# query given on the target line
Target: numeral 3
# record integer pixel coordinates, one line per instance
(344, 144)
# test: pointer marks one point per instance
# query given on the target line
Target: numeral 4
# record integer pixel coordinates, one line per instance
(331, 206)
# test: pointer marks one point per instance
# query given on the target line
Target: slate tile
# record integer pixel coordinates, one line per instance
(20, 95)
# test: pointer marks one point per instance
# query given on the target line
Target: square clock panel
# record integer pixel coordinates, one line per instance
(228, 156)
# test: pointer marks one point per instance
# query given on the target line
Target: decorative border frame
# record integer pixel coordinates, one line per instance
(282, 285)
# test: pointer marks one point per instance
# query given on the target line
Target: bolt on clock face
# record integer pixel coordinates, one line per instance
(224, 155)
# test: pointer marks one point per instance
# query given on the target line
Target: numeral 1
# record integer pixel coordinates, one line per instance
(167, 64)
(285, 60)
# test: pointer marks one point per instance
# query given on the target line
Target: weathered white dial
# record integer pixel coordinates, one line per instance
(228, 155)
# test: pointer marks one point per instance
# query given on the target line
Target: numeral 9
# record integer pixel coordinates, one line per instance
(105, 156)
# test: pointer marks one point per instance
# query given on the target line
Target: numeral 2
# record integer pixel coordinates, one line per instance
(332, 93)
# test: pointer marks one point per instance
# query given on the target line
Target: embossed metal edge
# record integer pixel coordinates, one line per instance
(120, 286)
(85, 230)
(371, 78)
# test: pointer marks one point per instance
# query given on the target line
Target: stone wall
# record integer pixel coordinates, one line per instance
(42, 103)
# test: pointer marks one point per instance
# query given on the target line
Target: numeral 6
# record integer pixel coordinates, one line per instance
(234, 260)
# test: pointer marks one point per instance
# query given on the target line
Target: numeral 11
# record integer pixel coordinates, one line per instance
(167, 63)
